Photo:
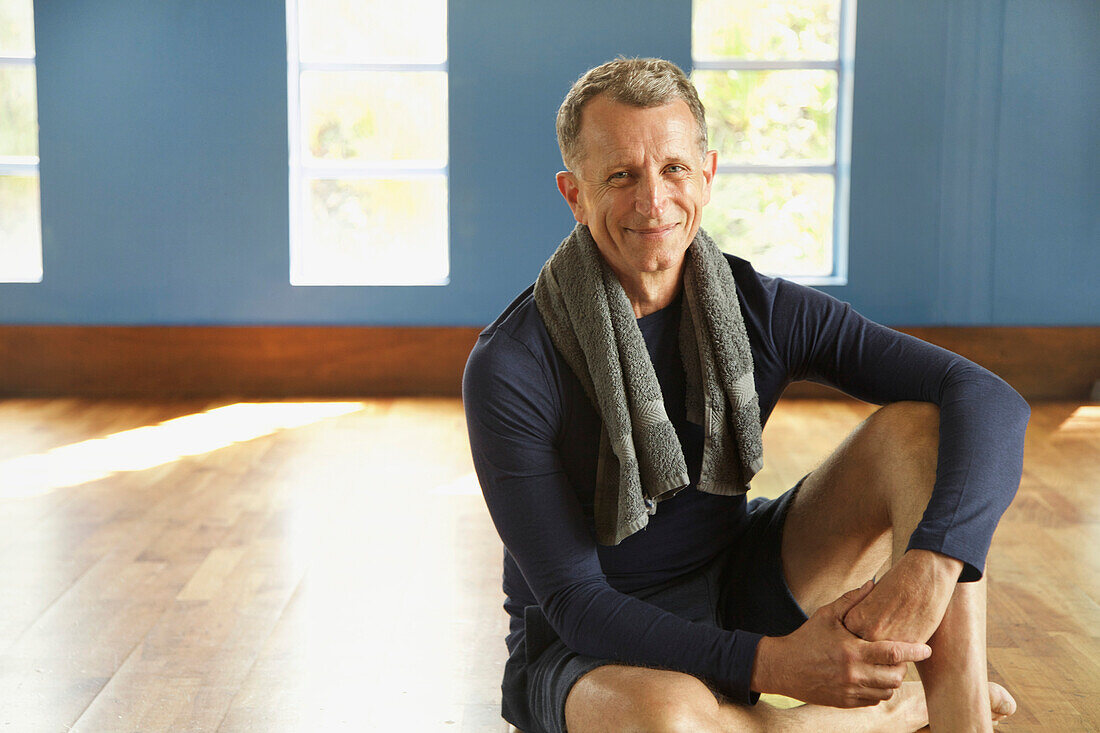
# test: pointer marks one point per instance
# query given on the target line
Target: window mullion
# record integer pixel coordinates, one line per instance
(366, 171)
(765, 65)
(18, 165)
(347, 66)
(778, 169)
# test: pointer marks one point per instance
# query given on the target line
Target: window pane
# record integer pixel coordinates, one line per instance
(373, 31)
(18, 111)
(364, 232)
(375, 116)
(780, 223)
(16, 28)
(20, 230)
(770, 116)
(765, 29)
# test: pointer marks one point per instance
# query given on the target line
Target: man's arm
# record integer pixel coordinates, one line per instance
(980, 452)
(982, 419)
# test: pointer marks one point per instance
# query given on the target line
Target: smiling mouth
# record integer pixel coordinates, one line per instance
(652, 231)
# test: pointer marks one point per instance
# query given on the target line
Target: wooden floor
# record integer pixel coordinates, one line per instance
(186, 566)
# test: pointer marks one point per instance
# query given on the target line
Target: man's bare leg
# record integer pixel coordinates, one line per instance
(619, 699)
(622, 699)
(962, 630)
(859, 509)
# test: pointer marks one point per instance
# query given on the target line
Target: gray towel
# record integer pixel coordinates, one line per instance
(592, 324)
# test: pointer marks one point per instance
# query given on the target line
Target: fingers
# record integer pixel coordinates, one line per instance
(846, 602)
(883, 679)
(870, 680)
(895, 652)
(860, 697)
(875, 670)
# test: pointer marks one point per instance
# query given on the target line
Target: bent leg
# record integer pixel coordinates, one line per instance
(855, 514)
(850, 516)
(623, 699)
(956, 683)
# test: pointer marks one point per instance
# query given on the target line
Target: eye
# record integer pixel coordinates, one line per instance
(676, 168)
(618, 177)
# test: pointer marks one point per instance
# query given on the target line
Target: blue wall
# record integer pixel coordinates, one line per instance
(976, 160)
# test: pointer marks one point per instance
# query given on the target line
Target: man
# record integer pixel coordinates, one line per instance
(614, 412)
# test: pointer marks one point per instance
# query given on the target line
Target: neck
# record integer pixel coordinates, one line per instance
(649, 292)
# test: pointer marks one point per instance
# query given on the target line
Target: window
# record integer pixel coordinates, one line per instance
(20, 209)
(776, 79)
(368, 142)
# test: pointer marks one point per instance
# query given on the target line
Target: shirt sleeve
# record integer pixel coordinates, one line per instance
(513, 414)
(982, 419)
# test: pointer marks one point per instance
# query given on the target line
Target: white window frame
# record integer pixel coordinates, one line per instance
(23, 165)
(840, 169)
(301, 173)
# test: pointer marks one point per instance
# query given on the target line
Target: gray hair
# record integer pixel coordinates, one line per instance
(636, 82)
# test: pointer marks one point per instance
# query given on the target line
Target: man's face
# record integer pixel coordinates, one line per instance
(641, 184)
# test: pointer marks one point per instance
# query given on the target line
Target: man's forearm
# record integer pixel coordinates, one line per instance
(908, 602)
(822, 662)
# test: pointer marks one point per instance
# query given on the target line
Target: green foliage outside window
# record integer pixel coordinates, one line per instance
(20, 219)
(780, 223)
(391, 230)
(765, 29)
(18, 111)
(16, 28)
(771, 117)
(375, 116)
(373, 31)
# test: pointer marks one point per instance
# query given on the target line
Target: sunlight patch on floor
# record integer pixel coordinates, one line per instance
(466, 485)
(156, 445)
(1084, 420)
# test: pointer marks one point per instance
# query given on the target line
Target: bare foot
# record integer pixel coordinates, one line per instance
(911, 710)
(1001, 703)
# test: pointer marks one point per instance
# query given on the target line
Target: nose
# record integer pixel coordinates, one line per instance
(651, 196)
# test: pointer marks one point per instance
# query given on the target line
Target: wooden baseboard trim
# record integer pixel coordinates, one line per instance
(1054, 363)
(242, 361)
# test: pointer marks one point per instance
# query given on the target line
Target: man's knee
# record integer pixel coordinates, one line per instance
(623, 698)
(905, 432)
(672, 715)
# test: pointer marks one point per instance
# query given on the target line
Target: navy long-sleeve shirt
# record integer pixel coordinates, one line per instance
(535, 438)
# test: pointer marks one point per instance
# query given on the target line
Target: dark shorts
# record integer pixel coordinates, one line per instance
(742, 588)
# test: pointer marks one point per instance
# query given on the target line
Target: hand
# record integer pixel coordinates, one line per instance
(822, 662)
(908, 603)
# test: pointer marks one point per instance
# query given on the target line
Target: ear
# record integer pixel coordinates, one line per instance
(570, 191)
(710, 166)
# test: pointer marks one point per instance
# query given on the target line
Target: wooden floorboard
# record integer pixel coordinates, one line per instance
(202, 566)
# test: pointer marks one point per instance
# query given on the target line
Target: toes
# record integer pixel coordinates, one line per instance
(1001, 703)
